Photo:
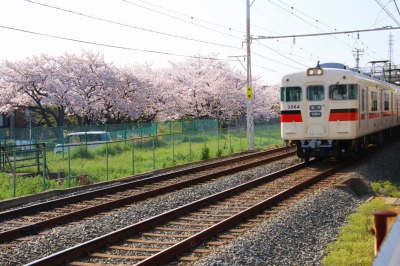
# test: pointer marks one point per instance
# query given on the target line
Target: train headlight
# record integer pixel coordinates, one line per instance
(315, 114)
(316, 71)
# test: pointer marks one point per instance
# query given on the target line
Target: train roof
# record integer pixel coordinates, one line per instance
(355, 70)
(340, 66)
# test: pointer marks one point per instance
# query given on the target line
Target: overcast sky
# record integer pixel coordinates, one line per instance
(156, 32)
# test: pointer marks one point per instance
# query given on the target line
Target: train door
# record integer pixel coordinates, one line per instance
(392, 120)
(316, 112)
(360, 107)
(363, 109)
(367, 109)
(381, 109)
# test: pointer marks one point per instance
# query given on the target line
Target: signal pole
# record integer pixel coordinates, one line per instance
(249, 88)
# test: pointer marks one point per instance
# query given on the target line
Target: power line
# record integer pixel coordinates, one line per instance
(183, 20)
(398, 11)
(387, 11)
(191, 17)
(107, 45)
(318, 21)
(131, 26)
(261, 44)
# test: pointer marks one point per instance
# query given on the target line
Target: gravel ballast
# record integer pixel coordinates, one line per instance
(297, 236)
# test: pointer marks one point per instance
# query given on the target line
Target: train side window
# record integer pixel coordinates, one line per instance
(363, 100)
(343, 92)
(352, 91)
(374, 101)
(291, 94)
(386, 102)
(315, 93)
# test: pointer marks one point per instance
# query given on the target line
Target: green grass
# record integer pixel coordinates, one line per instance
(385, 189)
(26, 185)
(355, 244)
(125, 158)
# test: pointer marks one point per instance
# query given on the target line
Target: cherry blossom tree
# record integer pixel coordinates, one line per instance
(266, 102)
(86, 89)
(203, 87)
(27, 83)
(92, 81)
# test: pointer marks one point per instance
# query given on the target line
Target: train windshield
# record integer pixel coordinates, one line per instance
(315, 93)
(343, 92)
(291, 94)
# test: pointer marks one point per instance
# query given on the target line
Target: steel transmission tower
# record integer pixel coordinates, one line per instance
(358, 53)
(391, 43)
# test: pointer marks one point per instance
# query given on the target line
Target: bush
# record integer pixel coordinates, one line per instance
(205, 153)
(385, 189)
(81, 153)
(113, 149)
(147, 142)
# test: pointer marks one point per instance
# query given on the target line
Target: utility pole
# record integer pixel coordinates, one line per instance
(249, 88)
(358, 53)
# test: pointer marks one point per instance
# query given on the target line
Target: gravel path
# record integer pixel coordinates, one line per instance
(297, 236)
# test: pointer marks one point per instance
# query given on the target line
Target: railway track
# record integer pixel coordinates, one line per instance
(200, 225)
(17, 223)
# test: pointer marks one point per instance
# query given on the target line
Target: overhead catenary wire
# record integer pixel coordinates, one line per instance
(183, 20)
(149, 30)
(185, 15)
(131, 26)
(285, 55)
(109, 45)
(317, 21)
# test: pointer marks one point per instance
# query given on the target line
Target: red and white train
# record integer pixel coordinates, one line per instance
(333, 111)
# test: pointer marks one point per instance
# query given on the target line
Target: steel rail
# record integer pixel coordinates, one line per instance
(87, 247)
(79, 214)
(121, 187)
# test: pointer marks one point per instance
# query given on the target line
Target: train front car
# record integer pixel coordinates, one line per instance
(319, 111)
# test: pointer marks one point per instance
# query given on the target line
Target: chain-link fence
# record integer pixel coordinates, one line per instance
(91, 154)
(56, 135)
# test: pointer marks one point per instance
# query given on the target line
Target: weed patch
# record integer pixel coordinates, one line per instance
(355, 244)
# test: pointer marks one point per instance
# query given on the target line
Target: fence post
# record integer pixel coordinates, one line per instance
(37, 147)
(35, 135)
(190, 146)
(218, 140)
(133, 155)
(14, 174)
(69, 166)
(44, 167)
(125, 132)
(240, 138)
(205, 139)
(107, 160)
(173, 149)
(154, 154)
